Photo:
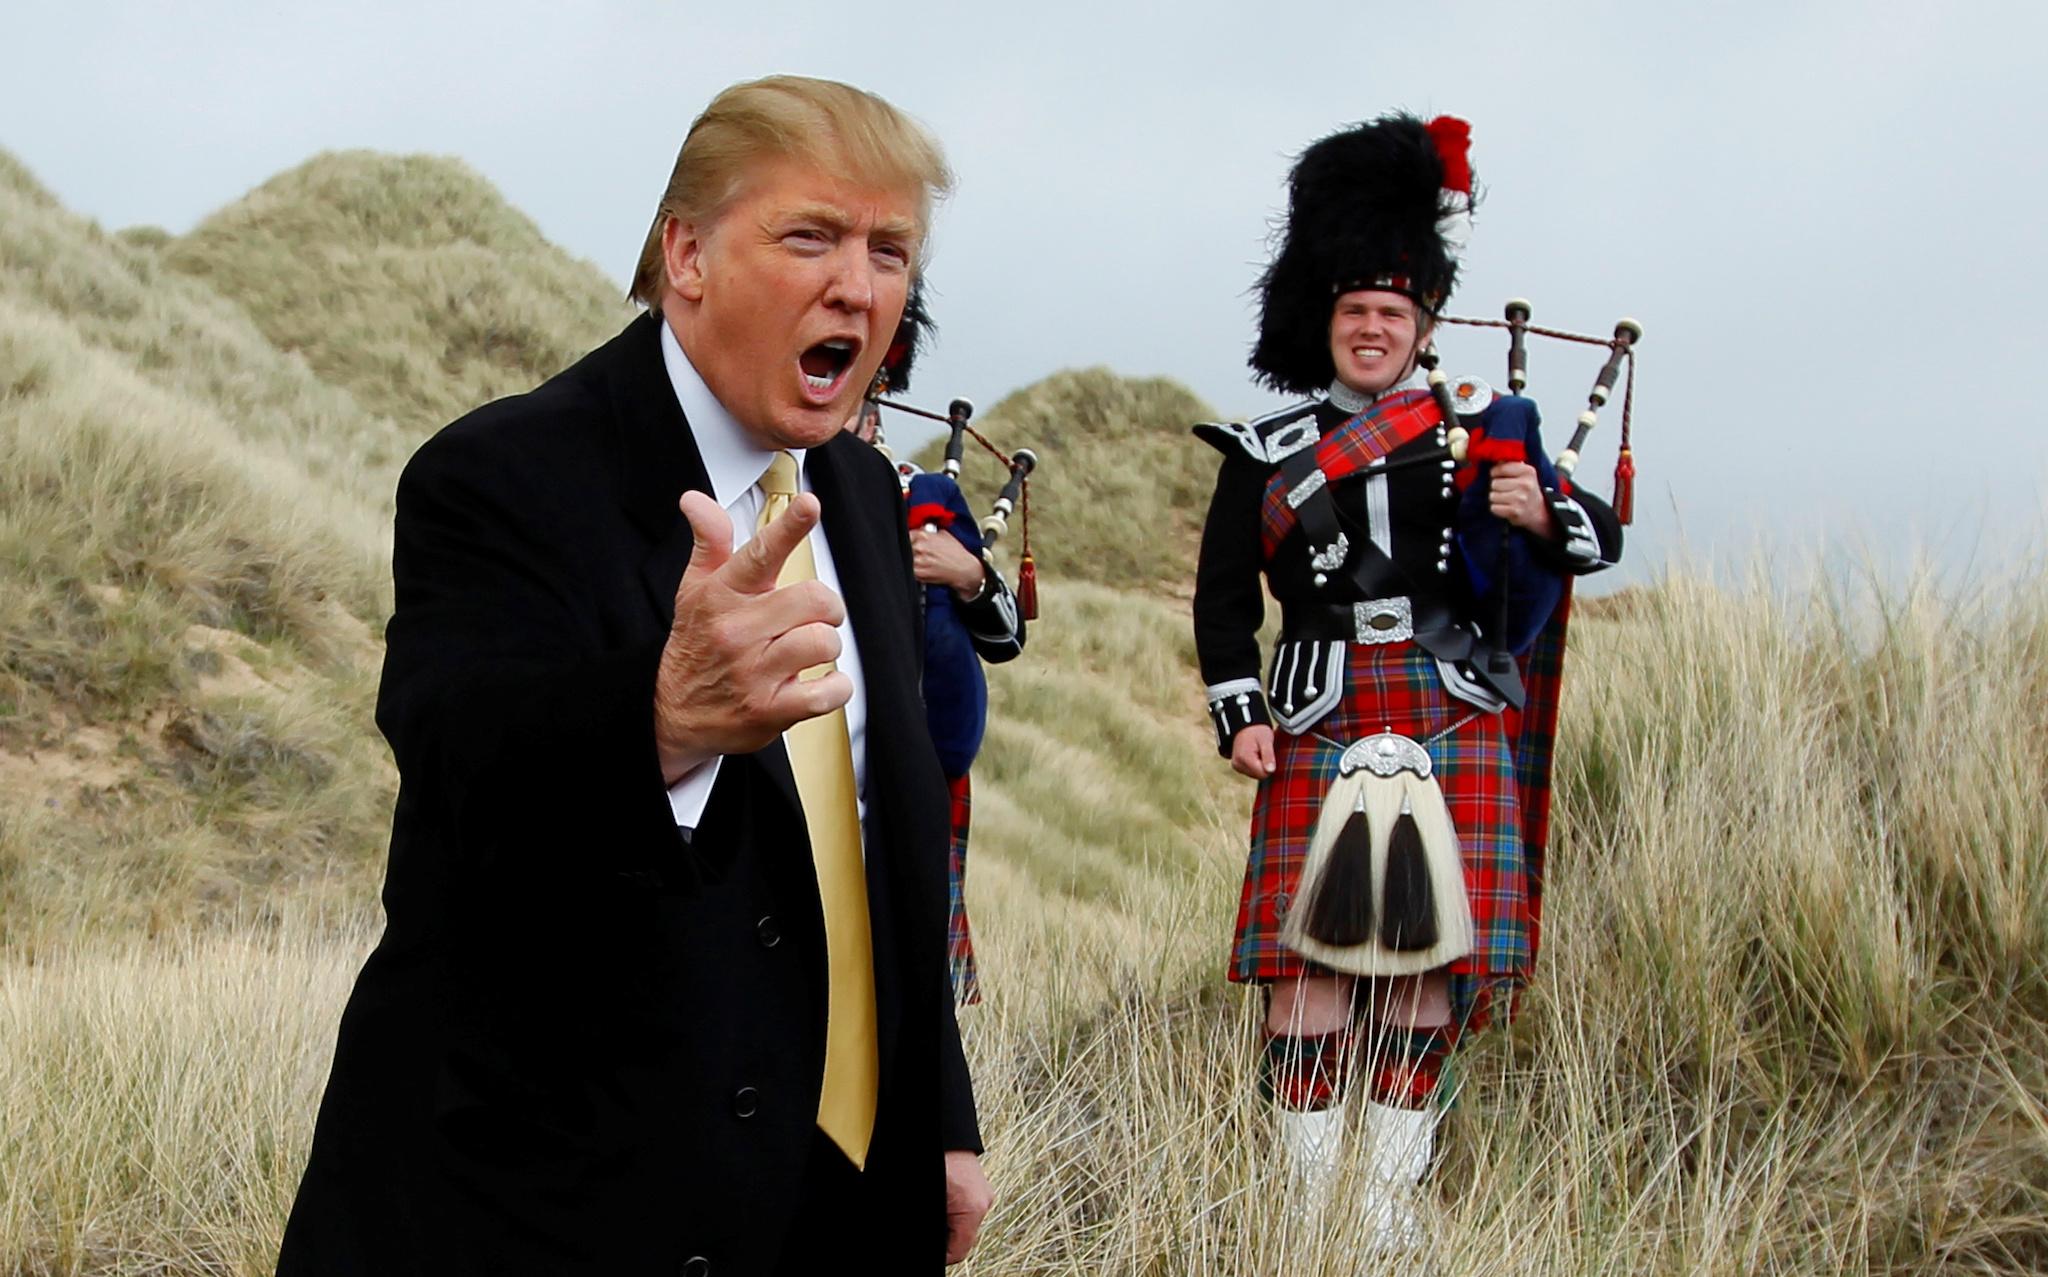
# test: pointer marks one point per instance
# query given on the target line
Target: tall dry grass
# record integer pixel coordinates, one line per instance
(1790, 1013)
(186, 654)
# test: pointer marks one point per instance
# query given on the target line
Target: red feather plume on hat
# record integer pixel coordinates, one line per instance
(1453, 140)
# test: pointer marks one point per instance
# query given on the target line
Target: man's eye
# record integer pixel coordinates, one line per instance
(895, 255)
(808, 237)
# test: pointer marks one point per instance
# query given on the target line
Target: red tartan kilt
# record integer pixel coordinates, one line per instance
(1393, 687)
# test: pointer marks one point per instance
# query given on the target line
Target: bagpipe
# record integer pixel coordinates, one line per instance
(1621, 347)
(954, 688)
(1013, 498)
(1507, 440)
(893, 377)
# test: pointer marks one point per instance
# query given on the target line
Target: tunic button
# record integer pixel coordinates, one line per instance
(746, 1102)
(767, 932)
(696, 1266)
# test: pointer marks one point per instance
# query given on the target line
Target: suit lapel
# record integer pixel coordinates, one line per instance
(659, 462)
(861, 529)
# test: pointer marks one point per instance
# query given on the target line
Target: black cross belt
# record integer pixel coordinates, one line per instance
(1365, 564)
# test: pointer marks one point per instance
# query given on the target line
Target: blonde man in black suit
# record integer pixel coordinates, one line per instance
(663, 986)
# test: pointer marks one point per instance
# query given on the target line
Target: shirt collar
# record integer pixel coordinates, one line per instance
(1345, 399)
(733, 461)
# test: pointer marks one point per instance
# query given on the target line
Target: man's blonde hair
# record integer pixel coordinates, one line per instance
(843, 131)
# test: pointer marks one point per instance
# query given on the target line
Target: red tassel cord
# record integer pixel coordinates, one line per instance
(1027, 587)
(1625, 461)
(1625, 486)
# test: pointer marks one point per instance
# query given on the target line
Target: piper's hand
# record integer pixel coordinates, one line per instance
(938, 558)
(1251, 753)
(1515, 496)
(728, 681)
(967, 1200)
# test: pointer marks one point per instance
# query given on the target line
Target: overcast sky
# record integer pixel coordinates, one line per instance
(1828, 217)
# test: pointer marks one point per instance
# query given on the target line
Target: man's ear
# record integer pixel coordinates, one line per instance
(682, 259)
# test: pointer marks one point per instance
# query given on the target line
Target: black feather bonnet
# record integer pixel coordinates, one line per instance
(1378, 205)
(913, 331)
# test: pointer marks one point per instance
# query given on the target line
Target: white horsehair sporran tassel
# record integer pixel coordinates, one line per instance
(1384, 812)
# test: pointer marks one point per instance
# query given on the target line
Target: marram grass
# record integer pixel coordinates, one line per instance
(1790, 1014)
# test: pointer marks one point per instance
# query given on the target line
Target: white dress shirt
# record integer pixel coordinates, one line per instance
(736, 463)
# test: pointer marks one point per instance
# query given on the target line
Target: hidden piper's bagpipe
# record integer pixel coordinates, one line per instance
(1015, 494)
(954, 689)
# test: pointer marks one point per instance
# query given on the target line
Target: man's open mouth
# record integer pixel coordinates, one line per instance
(825, 365)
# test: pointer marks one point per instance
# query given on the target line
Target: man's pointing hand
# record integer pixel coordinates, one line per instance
(730, 676)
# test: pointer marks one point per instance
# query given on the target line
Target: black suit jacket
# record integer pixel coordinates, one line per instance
(584, 1044)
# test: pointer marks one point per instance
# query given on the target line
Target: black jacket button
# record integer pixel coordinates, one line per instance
(767, 932)
(746, 1102)
(696, 1266)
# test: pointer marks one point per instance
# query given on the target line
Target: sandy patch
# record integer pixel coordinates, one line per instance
(223, 668)
(88, 761)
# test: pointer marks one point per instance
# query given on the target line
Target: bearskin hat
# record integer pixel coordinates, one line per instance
(913, 331)
(1378, 205)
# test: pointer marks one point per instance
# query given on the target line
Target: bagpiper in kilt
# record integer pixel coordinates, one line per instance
(1393, 686)
(1420, 548)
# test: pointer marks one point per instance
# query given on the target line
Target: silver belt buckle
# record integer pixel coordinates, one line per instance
(1384, 620)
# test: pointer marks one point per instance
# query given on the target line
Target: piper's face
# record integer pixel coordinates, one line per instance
(785, 302)
(1374, 338)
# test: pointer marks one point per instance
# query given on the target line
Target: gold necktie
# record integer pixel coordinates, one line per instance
(822, 759)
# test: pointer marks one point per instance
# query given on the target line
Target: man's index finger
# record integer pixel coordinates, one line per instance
(758, 563)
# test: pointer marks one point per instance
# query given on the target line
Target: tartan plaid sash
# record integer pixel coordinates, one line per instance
(1351, 447)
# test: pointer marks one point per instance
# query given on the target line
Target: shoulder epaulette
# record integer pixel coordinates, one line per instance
(1269, 439)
